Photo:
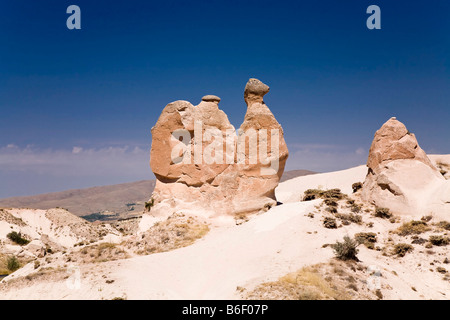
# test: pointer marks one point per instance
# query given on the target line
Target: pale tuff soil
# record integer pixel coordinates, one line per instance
(58, 265)
(284, 253)
(335, 279)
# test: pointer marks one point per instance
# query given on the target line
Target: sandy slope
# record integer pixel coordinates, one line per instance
(292, 190)
(267, 247)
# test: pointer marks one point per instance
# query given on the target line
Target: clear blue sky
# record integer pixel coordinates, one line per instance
(77, 105)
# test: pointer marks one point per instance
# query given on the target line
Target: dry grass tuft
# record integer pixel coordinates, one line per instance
(332, 194)
(412, 227)
(336, 280)
(367, 238)
(443, 225)
(401, 249)
(43, 274)
(439, 240)
(101, 253)
(305, 284)
(383, 213)
(179, 230)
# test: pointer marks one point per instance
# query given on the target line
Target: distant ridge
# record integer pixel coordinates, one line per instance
(295, 173)
(113, 198)
(118, 200)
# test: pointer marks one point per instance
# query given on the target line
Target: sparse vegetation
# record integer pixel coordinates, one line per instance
(441, 270)
(43, 274)
(383, 213)
(438, 240)
(379, 294)
(349, 218)
(102, 252)
(17, 238)
(330, 202)
(401, 249)
(332, 194)
(331, 209)
(355, 208)
(357, 186)
(149, 204)
(443, 168)
(444, 225)
(334, 280)
(12, 263)
(346, 250)
(312, 194)
(179, 230)
(367, 238)
(305, 284)
(329, 223)
(417, 240)
(412, 227)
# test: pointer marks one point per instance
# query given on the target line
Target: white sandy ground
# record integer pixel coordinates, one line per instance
(59, 225)
(263, 249)
(36, 224)
(267, 247)
(292, 190)
(439, 158)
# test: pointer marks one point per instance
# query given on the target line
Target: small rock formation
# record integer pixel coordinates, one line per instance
(401, 177)
(393, 142)
(204, 167)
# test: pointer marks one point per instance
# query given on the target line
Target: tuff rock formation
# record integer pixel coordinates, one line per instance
(401, 177)
(202, 166)
(394, 142)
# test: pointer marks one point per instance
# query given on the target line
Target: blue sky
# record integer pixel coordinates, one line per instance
(77, 105)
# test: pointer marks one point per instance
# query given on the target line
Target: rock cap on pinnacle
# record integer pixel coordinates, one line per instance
(255, 90)
(211, 98)
(256, 87)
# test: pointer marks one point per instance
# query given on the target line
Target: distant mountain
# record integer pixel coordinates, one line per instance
(295, 173)
(119, 199)
(103, 203)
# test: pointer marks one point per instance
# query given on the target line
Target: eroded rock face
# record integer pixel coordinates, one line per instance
(401, 177)
(203, 166)
(392, 142)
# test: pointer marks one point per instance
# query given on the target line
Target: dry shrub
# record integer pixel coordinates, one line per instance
(43, 274)
(10, 263)
(356, 186)
(102, 252)
(355, 208)
(412, 227)
(17, 238)
(329, 223)
(177, 231)
(444, 225)
(349, 218)
(383, 213)
(438, 240)
(401, 249)
(332, 194)
(330, 202)
(346, 250)
(338, 280)
(305, 284)
(366, 238)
